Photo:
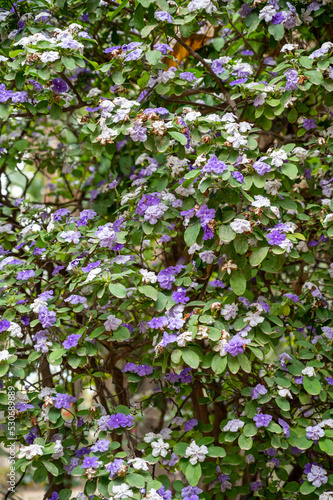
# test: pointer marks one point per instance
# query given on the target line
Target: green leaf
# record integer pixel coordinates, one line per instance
(122, 333)
(179, 137)
(65, 494)
(292, 115)
(112, 15)
(258, 255)
(118, 290)
(233, 364)
(226, 234)
(135, 480)
(153, 56)
(276, 30)
(238, 282)
(326, 445)
(216, 451)
(240, 243)
(245, 443)
(149, 291)
(307, 488)
(51, 467)
(143, 80)
(55, 111)
(180, 449)
(193, 474)
(40, 475)
(290, 170)
(312, 385)
(191, 358)
(191, 234)
(219, 363)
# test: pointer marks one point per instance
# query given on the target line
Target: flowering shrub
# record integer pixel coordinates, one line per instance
(166, 260)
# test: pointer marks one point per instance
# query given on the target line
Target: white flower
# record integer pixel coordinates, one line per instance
(272, 187)
(309, 371)
(194, 248)
(287, 245)
(289, 47)
(37, 304)
(15, 330)
(278, 156)
(148, 276)
(58, 450)
(121, 491)
(234, 425)
(46, 391)
(153, 495)
(112, 323)
(165, 433)
(207, 256)
(148, 438)
(207, 5)
(241, 226)
(267, 13)
(192, 116)
(253, 319)
(160, 448)
(328, 218)
(4, 355)
(92, 274)
(301, 153)
(284, 393)
(220, 347)
(139, 463)
(196, 453)
(49, 56)
(260, 201)
(3, 59)
(31, 451)
(183, 338)
(302, 246)
(327, 495)
(328, 422)
(94, 92)
(229, 311)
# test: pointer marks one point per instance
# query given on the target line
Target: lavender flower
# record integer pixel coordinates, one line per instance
(262, 419)
(71, 341)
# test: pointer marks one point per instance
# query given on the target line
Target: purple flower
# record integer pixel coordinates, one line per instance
(237, 176)
(144, 370)
(185, 376)
(315, 432)
(179, 296)
(236, 345)
(191, 493)
(239, 81)
(167, 276)
(71, 341)
(275, 237)
(63, 400)
(278, 18)
(47, 295)
(71, 236)
(285, 427)
(217, 284)
(91, 266)
(138, 133)
(90, 462)
(329, 380)
(113, 467)
(292, 296)
(161, 15)
(283, 358)
(165, 494)
(317, 476)
(261, 167)
(120, 420)
(309, 124)
(188, 76)
(46, 317)
(4, 325)
(59, 86)
(205, 215)
(25, 275)
(258, 390)
(163, 48)
(25, 320)
(256, 486)
(188, 426)
(134, 56)
(57, 269)
(24, 406)
(101, 445)
(76, 299)
(215, 166)
(262, 419)
(20, 96)
(217, 67)
(59, 214)
(292, 79)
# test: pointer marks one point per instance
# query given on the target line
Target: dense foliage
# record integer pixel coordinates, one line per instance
(166, 260)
